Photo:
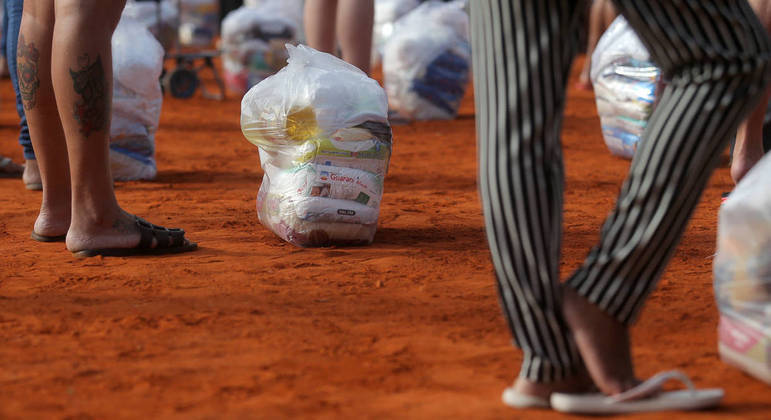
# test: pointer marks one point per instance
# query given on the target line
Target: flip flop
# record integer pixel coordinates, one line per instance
(646, 397)
(45, 238)
(168, 241)
(516, 399)
(6, 163)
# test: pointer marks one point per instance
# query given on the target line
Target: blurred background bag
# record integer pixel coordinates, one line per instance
(427, 60)
(625, 86)
(742, 270)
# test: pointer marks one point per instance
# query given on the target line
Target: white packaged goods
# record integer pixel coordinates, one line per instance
(137, 60)
(742, 270)
(199, 22)
(387, 12)
(625, 83)
(322, 128)
(253, 41)
(426, 62)
(147, 14)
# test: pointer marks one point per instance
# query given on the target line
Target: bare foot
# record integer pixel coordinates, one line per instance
(579, 383)
(117, 231)
(603, 343)
(31, 176)
(53, 220)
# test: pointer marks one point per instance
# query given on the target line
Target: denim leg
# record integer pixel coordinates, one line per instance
(13, 11)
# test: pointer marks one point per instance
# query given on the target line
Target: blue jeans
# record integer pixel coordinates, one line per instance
(11, 27)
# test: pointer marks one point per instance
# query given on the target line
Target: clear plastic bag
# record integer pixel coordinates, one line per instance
(387, 12)
(427, 61)
(742, 270)
(625, 86)
(137, 60)
(322, 128)
(147, 13)
(253, 41)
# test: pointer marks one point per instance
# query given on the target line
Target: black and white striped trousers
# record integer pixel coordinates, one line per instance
(715, 54)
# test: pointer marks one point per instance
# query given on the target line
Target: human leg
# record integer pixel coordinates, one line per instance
(354, 30)
(715, 82)
(748, 149)
(33, 58)
(319, 20)
(522, 52)
(13, 14)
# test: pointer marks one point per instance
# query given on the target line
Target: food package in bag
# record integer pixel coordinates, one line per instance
(137, 61)
(427, 61)
(253, 41)
(325, 144)
(742, 273)
(625, 86)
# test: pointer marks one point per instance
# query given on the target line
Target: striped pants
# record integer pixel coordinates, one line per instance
(714, 53)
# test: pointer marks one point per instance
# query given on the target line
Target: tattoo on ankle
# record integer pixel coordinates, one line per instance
(123, 226)
(27, 57)
(92, 109)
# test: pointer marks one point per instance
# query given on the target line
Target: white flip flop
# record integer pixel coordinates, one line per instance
(515, 399)
(646, 397)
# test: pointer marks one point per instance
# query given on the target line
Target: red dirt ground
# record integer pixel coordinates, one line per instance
(252, 327)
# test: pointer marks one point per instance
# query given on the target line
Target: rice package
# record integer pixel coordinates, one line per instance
(625, 83)
(161, 18)
(137, 60)
(742, 270)
(199, 22)
(427, 61)
(253, 41)
(387, 12)
(325, 143)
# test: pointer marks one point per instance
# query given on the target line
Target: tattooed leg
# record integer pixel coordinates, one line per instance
(92, 108)
(33, 55)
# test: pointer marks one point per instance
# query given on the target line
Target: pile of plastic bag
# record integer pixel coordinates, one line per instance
(625, 83)
(137, 60)
(742, 270)
(147, 14)
(387, 12)
(253, 41)
(199, 22)
(322, 128)
(427, 61)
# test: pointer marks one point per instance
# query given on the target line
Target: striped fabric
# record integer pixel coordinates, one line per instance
(716, 55)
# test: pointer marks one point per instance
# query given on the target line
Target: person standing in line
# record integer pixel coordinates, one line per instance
(576, 335)
(348, 21)
(66, 87)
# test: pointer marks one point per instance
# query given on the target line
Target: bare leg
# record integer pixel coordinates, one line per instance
(748, 149)
(354, 30)
(34, 69)
(82, 80)
(601, 15)
(320, 24)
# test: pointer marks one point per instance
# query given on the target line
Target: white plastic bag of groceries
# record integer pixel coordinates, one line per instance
(147, 14)
(322, 128)
(137, 60)
(625, 84)
(742, 270)
(426, 62)
(387, 12)
(253, 41)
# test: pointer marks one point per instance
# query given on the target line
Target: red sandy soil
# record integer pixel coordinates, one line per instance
(252, 327)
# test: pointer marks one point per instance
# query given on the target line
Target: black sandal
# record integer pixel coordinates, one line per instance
(168, 241)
